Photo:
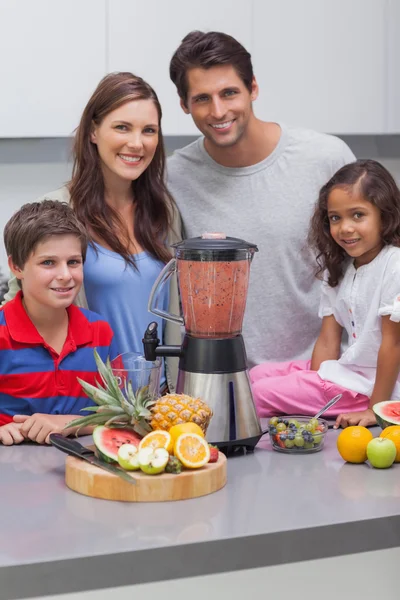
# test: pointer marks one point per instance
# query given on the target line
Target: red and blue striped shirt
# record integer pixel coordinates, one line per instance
(33, 377)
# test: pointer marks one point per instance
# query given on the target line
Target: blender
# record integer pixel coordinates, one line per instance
(213, 276)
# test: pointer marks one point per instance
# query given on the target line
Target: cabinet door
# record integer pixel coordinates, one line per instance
(144, 35)
(52, 55)
(322, 63)
(393, 59)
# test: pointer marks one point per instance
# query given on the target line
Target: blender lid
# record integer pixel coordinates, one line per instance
(214, 241)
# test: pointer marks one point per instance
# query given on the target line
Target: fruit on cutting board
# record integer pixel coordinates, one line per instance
(138, 409)
(387, 413)
(352, 443)
(128, 457)
(192, 450)
(153, 461)
(174, 465)
(381, 452)
(214, 454)
(158, 439)
(393, 433)
(177, 430)
(108, 441)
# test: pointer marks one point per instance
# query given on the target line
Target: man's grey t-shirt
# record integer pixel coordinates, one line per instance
(268, 204)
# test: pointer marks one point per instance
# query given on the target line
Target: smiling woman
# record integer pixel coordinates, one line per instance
(117, 190)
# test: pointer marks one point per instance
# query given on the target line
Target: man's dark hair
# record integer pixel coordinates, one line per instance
(206, 50)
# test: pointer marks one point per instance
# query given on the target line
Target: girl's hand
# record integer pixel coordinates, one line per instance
(10, 434)
(364, 418)
(38, 427)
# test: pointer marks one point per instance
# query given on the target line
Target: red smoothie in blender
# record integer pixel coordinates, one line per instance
(213, 296)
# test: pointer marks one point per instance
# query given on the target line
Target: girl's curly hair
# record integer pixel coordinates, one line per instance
(376, 185)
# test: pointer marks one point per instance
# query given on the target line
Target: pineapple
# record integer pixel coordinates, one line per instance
(141, 411)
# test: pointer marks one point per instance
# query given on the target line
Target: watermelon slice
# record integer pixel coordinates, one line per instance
(387, 413)
(109, 439)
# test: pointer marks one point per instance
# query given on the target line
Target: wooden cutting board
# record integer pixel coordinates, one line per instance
(89, 480)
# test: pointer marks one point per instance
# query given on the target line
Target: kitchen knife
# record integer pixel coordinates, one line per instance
(74, 448)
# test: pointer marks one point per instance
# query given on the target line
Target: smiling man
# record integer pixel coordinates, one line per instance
(254, 180)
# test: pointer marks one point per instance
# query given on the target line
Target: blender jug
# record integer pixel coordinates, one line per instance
(213, 277)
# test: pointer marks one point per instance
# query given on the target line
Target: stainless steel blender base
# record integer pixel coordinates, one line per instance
(234, 422)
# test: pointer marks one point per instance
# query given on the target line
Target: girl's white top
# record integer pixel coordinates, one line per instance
(358, 302)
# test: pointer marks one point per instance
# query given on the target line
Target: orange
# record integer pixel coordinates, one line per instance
(157, 439)
(352, 443)
(192, 450)
(393, 433)
(176, 430)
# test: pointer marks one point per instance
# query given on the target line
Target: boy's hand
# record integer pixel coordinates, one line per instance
(10, 434)
(38, 427)
(365, 418)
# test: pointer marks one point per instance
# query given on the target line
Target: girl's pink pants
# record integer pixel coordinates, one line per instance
(291, 388)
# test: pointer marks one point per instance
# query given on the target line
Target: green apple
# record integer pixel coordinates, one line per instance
(381, 453)
(128, 457)
(153, 460)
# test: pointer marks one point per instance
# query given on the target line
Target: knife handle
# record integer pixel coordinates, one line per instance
(69, 445)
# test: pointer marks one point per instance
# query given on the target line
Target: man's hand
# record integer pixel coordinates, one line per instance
(364, 418)
(38, 427)
(10, 434)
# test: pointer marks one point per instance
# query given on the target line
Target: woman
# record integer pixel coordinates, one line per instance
(117, 190)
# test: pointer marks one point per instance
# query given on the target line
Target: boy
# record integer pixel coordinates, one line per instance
(45, 341)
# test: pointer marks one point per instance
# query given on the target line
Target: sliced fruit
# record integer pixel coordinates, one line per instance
(387, 413)
(153, 461)
(192, 450)
(108, 440)
(393, 433)
(128, 457)
(176, 430)
(352, 443)
(158, 439)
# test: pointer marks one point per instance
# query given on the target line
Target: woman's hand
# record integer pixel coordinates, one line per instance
(10, 434)
(364, 418)
(38, 427)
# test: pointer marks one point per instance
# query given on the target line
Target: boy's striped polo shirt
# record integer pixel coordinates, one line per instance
(33, 377)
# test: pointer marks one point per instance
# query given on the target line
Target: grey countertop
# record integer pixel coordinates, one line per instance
(274, 509)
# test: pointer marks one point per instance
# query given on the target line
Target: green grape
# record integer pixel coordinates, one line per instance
(295, 422)
(314, 423)
(308, 445)
(309, 427)
(318, 438)
(273, 421)
(281, 427)
(289, 443)
(299, 441)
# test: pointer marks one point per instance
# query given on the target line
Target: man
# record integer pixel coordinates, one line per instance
(254, 180)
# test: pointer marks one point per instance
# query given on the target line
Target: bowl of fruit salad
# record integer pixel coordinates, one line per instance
(297, 434)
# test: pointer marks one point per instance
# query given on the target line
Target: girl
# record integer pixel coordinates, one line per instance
(117, 191)
(355, 230)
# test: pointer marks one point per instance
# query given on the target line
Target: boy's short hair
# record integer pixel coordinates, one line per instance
(36, 221)
(206, 50)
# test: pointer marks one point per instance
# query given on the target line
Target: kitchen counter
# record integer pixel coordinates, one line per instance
(275, 509)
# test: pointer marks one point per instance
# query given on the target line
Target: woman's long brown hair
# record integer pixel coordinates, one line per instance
(154, 205)
(376, 185)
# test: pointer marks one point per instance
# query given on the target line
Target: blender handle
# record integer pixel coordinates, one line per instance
(163, 277)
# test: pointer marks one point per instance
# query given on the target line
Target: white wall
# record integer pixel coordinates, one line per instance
(31, 167)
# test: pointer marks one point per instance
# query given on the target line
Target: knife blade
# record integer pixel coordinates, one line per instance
(74, 448)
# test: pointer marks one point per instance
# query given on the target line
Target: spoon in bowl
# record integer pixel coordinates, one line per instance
(328, 405)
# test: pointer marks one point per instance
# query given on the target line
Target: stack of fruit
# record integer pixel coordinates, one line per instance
(356, 444)
(141, 432)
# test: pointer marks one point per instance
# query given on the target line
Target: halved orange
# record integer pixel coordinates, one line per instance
(192, 450)
(190, 427)
(157, 439)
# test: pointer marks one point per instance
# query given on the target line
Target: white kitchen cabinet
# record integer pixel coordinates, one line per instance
(322, 64)
(144, 35)
(393, 62)
(52, 55)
